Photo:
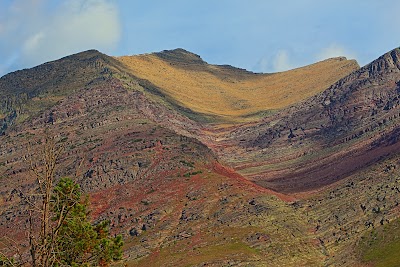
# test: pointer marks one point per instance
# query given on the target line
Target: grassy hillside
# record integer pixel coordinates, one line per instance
(228, 93)
(380, 247)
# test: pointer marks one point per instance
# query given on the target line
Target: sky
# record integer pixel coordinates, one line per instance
(257, 35)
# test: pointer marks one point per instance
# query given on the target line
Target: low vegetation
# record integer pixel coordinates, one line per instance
(381, 246)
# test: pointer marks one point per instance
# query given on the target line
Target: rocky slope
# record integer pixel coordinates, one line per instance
(159, 188)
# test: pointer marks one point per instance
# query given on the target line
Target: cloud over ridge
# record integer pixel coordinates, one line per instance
(47, 34)
(335, 50)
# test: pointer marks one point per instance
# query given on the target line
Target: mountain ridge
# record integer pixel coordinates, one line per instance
(230, 94)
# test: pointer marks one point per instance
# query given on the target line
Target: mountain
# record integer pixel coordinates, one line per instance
(207, 165)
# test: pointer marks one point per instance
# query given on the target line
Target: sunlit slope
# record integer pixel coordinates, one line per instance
(231, 93)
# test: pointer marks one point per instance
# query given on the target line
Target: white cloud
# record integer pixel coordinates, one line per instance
(38, 34)
(32, 43)
(278, 62)
(334, 50)
(262, 65)
(281, 61)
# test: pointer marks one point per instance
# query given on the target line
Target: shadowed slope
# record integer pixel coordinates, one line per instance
(327, 137)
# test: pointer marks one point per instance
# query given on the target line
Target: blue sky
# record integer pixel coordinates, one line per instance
(262, 36)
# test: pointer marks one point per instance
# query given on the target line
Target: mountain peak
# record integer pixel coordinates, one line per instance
(180, 55)
(389, 62)
(84, 55)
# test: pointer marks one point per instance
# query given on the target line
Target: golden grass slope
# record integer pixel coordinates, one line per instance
(234, 97)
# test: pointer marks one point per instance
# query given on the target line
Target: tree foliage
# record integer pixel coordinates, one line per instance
(78, 242)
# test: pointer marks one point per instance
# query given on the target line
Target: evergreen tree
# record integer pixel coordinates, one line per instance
(79, 243)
